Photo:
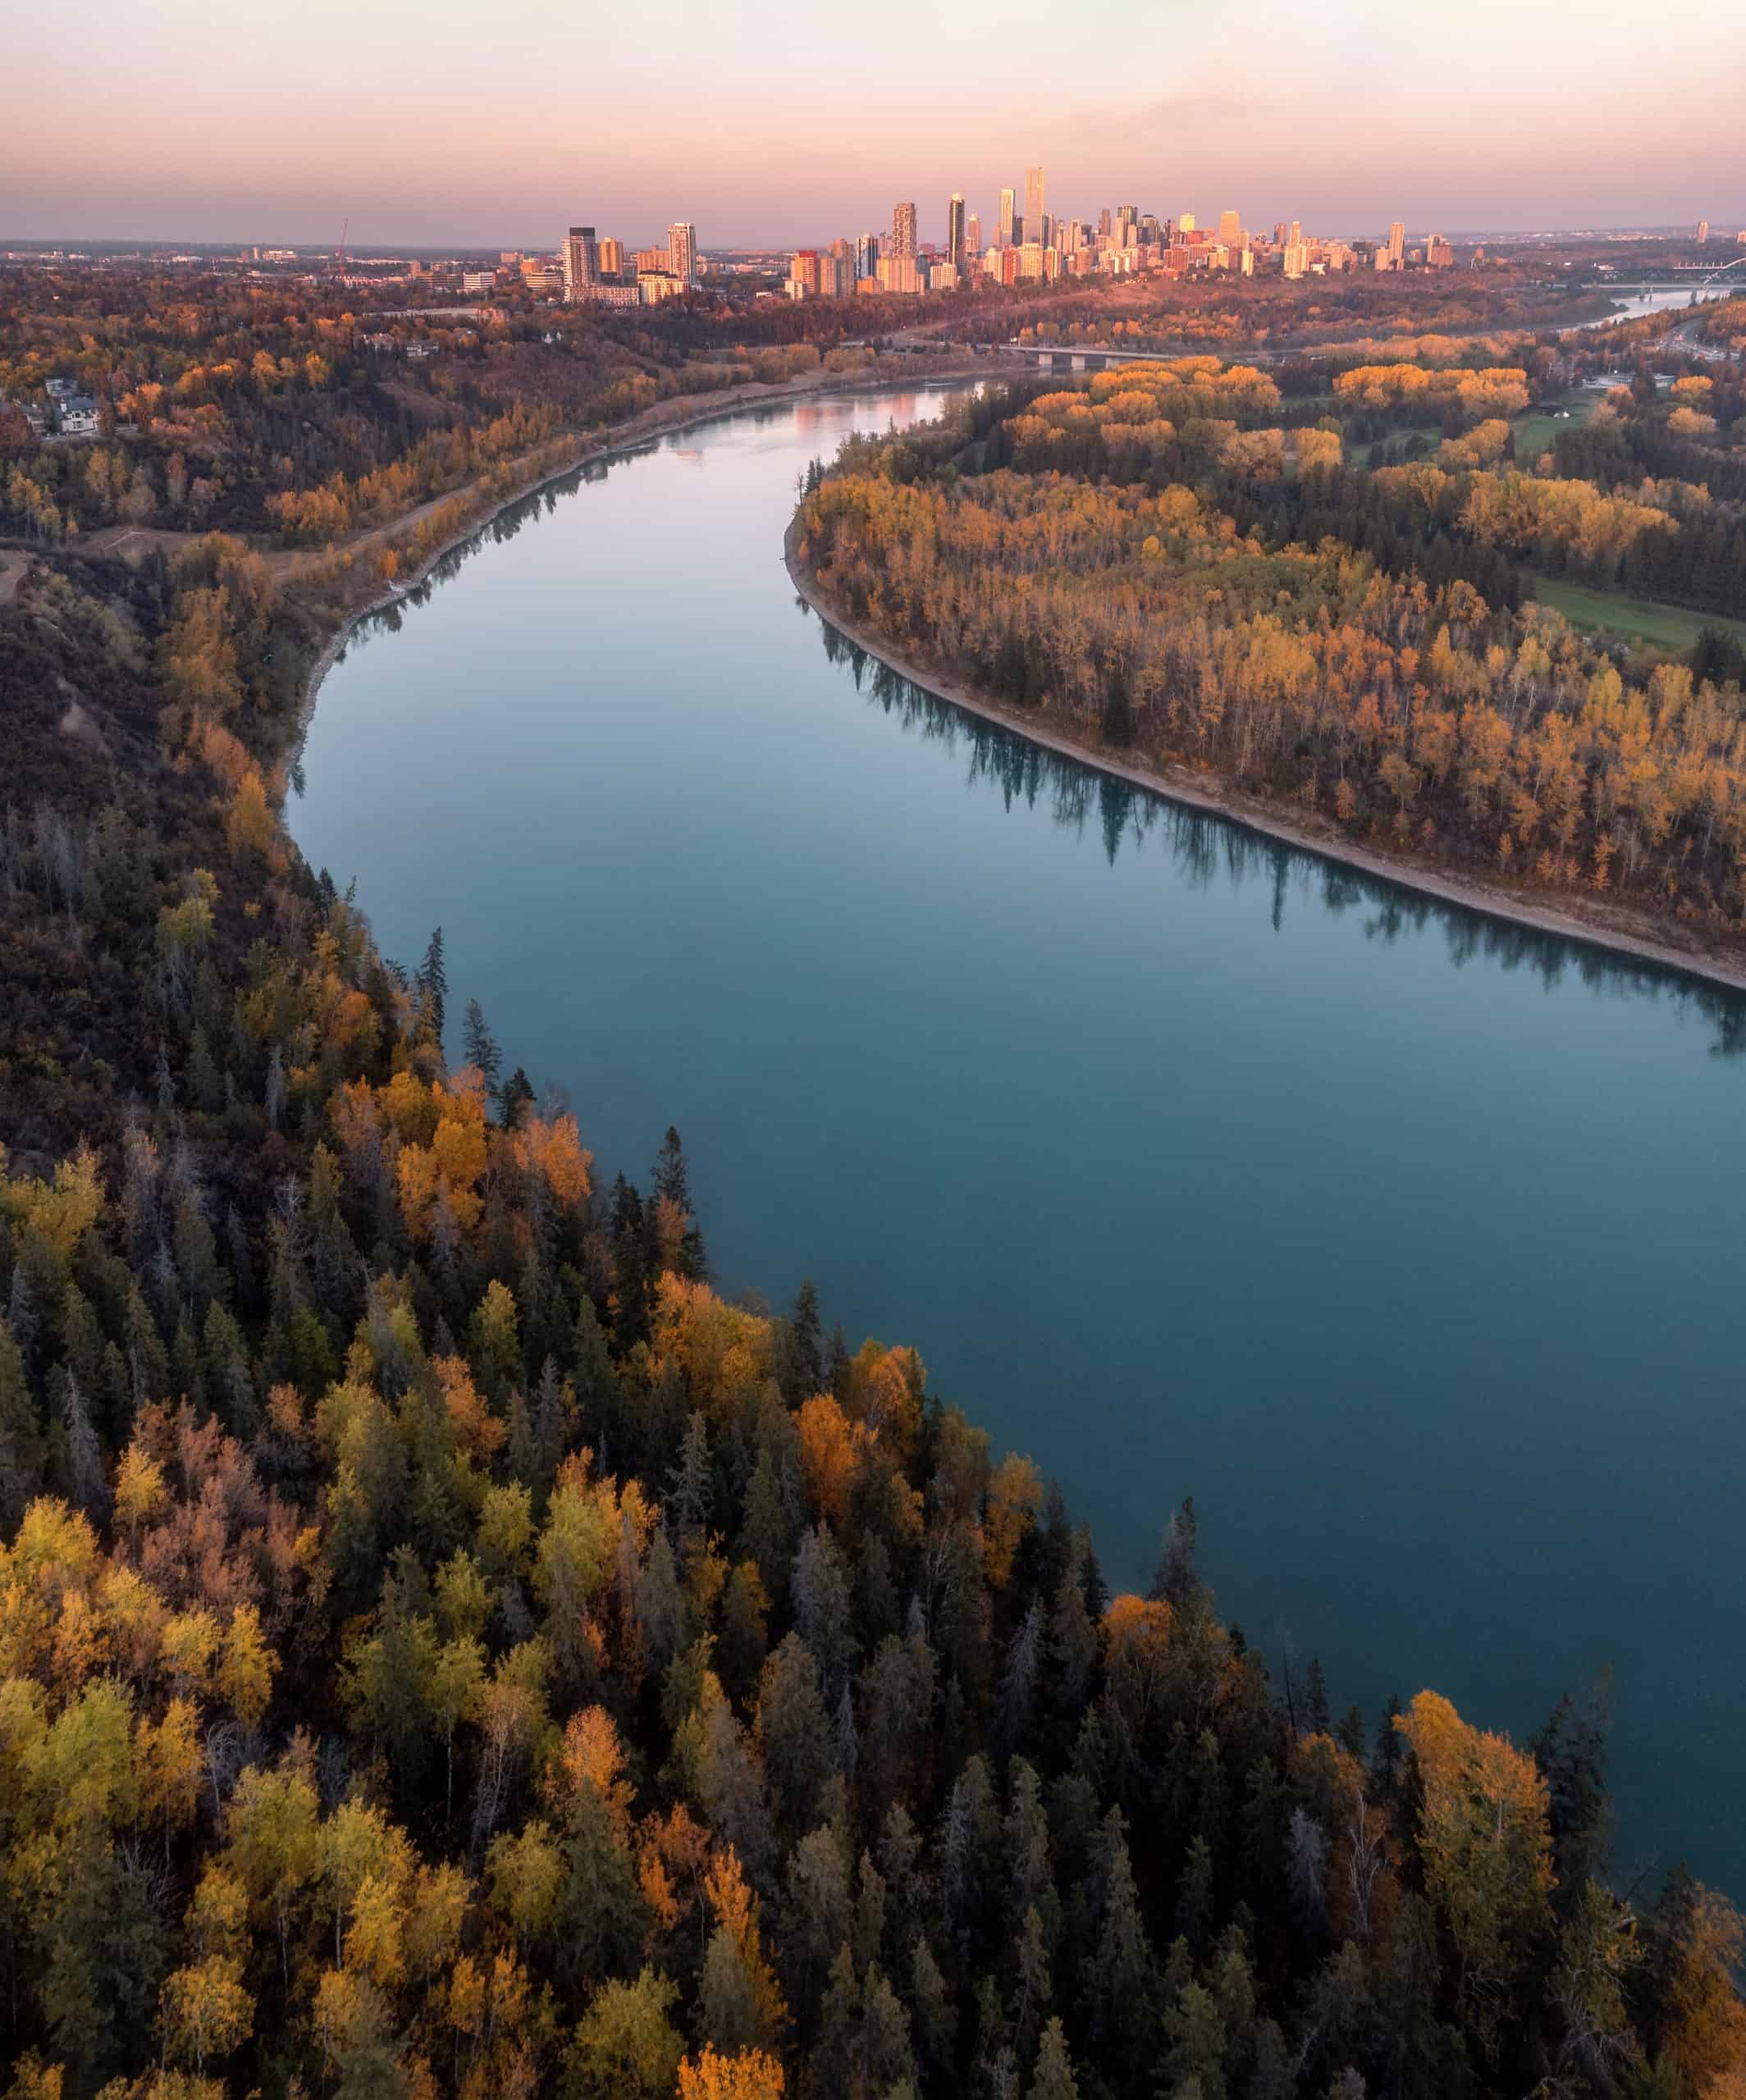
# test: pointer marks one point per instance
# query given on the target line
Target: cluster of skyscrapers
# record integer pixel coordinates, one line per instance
(1036, 243)
(1027, 244)
(600, 270)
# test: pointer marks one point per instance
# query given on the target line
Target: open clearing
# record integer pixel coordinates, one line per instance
(1536, 429)
(1643, 620)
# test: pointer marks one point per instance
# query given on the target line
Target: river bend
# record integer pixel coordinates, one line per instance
(1408, 1242)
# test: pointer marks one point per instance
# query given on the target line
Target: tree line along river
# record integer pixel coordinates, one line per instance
(1406, 1241)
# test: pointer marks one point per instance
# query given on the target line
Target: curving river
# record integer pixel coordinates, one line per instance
(1409, 1244)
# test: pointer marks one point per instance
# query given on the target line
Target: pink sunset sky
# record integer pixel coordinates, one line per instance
(448, 122)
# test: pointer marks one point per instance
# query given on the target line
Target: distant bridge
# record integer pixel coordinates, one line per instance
(1058, 358)
(1690, 276)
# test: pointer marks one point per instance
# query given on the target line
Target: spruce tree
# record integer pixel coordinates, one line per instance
(433, 983)
(480, 1046)
(1318, 1720)
(804, 1325)
(671, 1181)
(21, 1434)
(1054, 2079)
(517, 1095)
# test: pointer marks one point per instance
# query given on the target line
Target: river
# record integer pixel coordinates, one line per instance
(1632, 306)
(1408, 1242)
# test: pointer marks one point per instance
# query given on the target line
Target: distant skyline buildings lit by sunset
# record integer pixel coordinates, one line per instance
(438, 123)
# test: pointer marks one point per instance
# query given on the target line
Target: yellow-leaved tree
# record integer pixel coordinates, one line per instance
(752, 2074)
(1485, 1842)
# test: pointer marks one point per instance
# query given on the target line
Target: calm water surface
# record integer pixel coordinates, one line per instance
(1409, 1244)
(1634, 306)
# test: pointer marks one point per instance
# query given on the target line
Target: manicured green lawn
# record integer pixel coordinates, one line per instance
(1663, 627)
(1536, 429)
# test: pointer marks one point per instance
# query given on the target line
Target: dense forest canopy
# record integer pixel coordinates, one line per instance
(446, 1648)
(1166, 555)
(296, 411)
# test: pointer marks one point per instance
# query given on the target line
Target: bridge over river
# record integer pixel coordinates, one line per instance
(1089, 357)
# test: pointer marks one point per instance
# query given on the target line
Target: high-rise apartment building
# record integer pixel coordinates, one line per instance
(1187, 223)
(903, 230)
(1703, 232)
(1231, 228)
(1396, 246)
(956, 233)
(681, 251)
(973, 233)
(1006, 218)
(581, 262)
(838, 270)
(611, 256)
(1296, 259)
(1034, 205)
(867, 256)
(1438, 254)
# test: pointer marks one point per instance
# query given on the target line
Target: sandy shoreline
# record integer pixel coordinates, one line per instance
(1176, 785)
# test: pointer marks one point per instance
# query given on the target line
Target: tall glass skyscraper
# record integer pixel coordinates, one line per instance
(1034, 205)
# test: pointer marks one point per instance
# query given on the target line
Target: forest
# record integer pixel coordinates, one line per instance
(294, 411)
(1175, 557)
(447, 1648)
(1209, 310)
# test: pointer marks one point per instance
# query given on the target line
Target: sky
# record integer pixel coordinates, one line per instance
(426, 123)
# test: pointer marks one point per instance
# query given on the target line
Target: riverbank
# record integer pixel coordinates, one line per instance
(669, 418)
(1626, 932)
(1290, 1127)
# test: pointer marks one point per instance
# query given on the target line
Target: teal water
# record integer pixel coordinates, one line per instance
(1407, 1243)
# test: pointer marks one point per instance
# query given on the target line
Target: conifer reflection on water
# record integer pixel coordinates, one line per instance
(1200, 847)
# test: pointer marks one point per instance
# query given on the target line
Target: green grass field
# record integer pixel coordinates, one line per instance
(1535, 430)
(1662, 627)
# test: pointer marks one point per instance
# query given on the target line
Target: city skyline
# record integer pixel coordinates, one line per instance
(1494, 118)
(1005, 223)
